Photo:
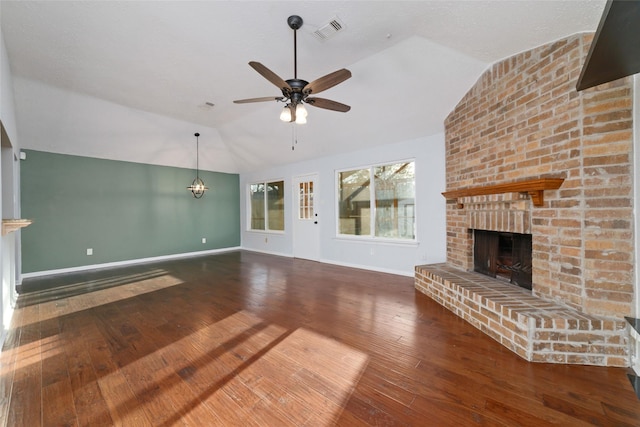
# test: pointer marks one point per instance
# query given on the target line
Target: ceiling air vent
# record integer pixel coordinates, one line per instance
(330, 29)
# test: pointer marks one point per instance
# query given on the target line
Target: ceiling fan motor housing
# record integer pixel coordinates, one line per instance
(295, 94)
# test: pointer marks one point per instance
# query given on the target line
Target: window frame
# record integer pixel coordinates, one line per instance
(373, 206)
(249, 199)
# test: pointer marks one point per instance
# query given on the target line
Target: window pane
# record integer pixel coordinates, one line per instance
(395, 200)
(354, 202)
(275, 203)
(257, 206)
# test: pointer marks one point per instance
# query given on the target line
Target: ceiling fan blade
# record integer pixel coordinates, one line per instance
(328, 104)
(269, 75)
(263, 99)
(328, 81)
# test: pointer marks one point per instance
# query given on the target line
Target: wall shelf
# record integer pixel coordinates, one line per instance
(10, 225)
(534, 187)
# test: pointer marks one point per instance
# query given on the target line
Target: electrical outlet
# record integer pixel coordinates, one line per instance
(266, 240)
(89, 251)
(204, 240)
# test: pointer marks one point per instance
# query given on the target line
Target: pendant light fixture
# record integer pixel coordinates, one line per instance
(197, 187)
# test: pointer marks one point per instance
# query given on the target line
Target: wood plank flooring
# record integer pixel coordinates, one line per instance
(256, 340)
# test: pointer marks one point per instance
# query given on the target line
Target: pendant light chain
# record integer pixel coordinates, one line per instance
(197, 187)
(197, 155)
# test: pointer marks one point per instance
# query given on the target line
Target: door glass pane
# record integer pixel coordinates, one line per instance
(310, 200)
(306, 200)
(301, 203)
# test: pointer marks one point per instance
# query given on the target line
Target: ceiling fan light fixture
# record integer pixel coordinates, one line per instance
(301, 111)
(285, 115)
(301, 114)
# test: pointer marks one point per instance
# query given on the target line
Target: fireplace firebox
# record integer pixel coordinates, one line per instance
(502, 255)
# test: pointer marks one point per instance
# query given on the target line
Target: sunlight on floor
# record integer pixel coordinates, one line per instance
(29, 354)
(243, 368)
(106, 292)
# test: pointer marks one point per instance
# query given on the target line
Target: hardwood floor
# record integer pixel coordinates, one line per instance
(258, 340)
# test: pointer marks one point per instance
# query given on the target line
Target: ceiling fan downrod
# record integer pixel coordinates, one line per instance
(295, 23)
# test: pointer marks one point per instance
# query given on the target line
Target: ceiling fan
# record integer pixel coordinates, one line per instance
(297, 92)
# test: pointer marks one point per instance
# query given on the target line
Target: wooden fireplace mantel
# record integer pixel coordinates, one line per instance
(10, 225)
(534, 187)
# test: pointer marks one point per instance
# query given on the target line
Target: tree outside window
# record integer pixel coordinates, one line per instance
(267, 206)
(378, 201)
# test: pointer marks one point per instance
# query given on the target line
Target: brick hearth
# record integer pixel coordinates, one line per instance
(524, 120)
(535, 329)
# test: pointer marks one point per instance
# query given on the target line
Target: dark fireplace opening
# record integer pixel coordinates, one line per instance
(505, 256)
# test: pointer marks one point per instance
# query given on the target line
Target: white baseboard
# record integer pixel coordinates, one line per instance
(268, 252)
(127, 262)
(201, 253)
(369, 267)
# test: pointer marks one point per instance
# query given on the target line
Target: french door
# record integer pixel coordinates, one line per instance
(306, 224)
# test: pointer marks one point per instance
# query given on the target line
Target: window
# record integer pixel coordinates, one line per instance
(267, 206)
(378, 201)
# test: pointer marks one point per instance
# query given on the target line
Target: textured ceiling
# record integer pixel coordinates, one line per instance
(85, 72)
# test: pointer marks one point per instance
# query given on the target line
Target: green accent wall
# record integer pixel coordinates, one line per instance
(122, 210)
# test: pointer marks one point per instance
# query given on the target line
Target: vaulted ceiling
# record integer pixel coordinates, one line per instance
(130, 80)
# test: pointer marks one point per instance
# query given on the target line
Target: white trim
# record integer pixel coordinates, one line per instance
(201, 253)
(268, 252)
(342, 264)
(368, 268)
(128, 262)
(267, 232)
(377, 240)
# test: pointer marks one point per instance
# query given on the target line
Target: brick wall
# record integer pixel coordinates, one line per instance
(524, 119)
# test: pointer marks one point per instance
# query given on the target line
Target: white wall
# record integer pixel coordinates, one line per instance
(9, 202)
(62, 121)
(7, 109)
(399, 258)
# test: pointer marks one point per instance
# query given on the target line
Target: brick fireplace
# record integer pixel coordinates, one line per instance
(526, 153)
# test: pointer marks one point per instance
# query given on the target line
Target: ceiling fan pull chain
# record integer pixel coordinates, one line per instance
(294, 136)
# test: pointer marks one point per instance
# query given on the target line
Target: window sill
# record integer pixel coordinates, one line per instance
(266, 231)
(378, 240)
